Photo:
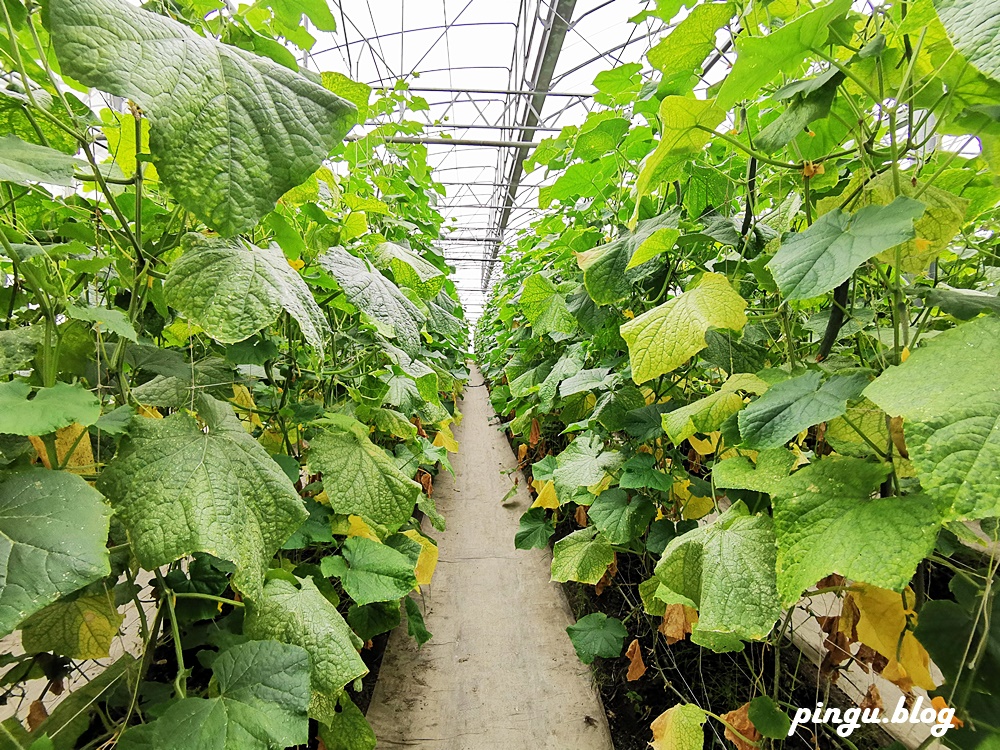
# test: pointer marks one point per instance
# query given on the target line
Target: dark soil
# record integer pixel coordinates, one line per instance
(686, 673)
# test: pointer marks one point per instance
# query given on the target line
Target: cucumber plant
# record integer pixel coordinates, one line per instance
(749, 346)
(231, 357)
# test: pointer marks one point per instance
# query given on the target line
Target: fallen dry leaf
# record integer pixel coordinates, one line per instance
(581, 516)
(677, 622)
(522, 453)
(36, 715)
(873, 699)
(740, 721)
(636, 667)
(608, 576)
(536, 433)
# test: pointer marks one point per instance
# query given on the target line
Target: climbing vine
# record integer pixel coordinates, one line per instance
(231, 357)
(748, 352)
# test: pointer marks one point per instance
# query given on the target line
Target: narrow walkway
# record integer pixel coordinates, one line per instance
(500, 672)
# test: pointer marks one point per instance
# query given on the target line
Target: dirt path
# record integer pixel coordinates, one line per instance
(500, 672)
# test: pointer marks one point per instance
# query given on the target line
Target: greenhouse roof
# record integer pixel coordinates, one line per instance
(497, 78)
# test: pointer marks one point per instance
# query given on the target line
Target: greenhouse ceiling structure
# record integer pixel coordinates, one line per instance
(497, 78)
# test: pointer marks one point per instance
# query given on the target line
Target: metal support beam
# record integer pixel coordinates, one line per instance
(560, 16)
(437, 141)
(499, 92)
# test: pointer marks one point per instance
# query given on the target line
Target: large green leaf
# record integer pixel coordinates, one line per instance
(26, 163)
(348, 729)
(50, 409)
(815, 261)
(231, 132)
(707, 414)
(544, 307)
(371, 572)
(377, 297)
(304, 617)
(534, 530)
(583, 463)
(662, 339)
(681, 53)
(974, 27)
(795, 405)
(760, 59)
(582, 556)
(804, 108)
(261, 702)
(409, 269)
(726, 570)
(360, 478)
(53, 540)
(82, 628)
(687, 125)
(947, 394)
(619, 518)
(610, 270)
(232, 289)
(597, 634)
(179, 489)
(764, 475)
(826, 521)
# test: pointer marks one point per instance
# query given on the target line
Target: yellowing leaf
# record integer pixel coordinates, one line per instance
(679, 728)
(427, 562)
(693, 507)
(248, 413)
(662, 339)
(547, 496)
(445, 439)
(707, 446)
(150, 412)
(882, 626)
(72, 437)
(358, 527)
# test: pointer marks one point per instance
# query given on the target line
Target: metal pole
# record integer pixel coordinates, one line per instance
(560, 15)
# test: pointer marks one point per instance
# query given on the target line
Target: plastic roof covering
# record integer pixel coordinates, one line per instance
(475, 49)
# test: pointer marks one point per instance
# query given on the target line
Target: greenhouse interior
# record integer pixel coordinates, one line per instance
(500, 374)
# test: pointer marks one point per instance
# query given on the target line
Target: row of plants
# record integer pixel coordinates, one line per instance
(231, 357)
(748, 351)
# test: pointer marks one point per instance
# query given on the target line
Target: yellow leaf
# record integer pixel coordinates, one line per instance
(358, 527)
(707, 446)
(599, 487)
(882, 625)
(692, 506)
(445, 439)
(150, 412)
(428, 559)
(322, 498)
(248, 413)
(72, 437)
(547, 496)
